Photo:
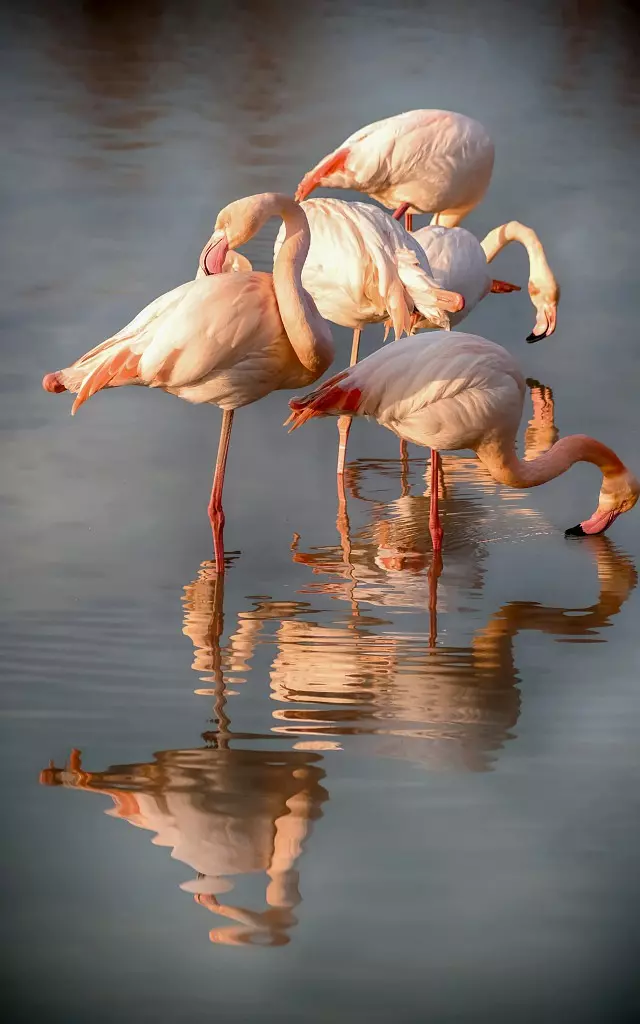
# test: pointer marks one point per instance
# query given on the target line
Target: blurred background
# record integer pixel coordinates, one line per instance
(408, 832)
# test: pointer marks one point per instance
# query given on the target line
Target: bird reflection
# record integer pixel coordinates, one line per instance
(541, 432)
(390, 690)
(228, 809)
(226, 813)
(235, 806)
(397, 686)
(393, 690)
(359, 675)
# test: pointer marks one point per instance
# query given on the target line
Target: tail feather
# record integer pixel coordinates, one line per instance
(331, 399)
(121, 368)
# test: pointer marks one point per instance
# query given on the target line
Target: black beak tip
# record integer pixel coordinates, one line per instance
(531, 338)
(575, 531)
(531, 382)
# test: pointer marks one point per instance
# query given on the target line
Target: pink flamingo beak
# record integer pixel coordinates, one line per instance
(213, 255)
(598, 523)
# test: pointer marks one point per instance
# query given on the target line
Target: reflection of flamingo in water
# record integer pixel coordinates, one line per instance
(464, 700)
(224, 811)
(394, 693)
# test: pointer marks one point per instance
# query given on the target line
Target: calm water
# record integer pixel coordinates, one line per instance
(334, 820)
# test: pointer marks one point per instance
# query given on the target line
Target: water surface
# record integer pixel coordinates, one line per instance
(337, 786)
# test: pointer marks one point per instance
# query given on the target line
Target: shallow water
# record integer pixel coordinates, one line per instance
(376, 795)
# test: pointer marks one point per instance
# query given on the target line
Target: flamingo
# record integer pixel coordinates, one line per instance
(225, 338)
(459, 391)
(363, 267)
(460, 262)
(428, 161)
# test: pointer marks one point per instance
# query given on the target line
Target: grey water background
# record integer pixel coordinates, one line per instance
(465, 823)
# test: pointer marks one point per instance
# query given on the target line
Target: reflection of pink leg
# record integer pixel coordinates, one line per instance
(404, 470)
(435, 529)
(216, 514)
(344, 422)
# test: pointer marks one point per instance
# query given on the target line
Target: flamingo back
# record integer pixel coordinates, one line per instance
(444, 391)
(437, 160)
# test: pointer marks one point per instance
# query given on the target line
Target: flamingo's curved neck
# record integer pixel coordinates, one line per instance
(539, 270)
(307, 331)
(504, 465)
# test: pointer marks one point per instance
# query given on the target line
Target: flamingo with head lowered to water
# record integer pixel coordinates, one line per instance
(457, 391)
(225, 338)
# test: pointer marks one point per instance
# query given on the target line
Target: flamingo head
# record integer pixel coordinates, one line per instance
(545, 299)
(233, 263)
(214, 253)
(236, 224)
(618, 494)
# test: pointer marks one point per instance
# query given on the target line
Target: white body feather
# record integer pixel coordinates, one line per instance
(446, 391)
(363, 267)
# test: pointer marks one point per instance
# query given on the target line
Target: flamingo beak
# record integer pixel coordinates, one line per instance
(607, 511)
(598, 523)
(213, 255)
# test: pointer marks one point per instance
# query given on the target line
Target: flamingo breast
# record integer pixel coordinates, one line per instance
(458, 263)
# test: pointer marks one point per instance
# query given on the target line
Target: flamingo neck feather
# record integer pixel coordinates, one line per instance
(307, 331)
(539, 271)
(505, 466)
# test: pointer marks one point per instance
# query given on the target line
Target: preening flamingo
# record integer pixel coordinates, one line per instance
(427, 161)
(458, 391)
(362, 268)
(460, 262)
(227, 339)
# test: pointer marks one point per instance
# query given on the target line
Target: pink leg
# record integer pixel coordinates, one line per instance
(408, 221)
(435, 529)
(216, 514)
(400, 212)
(344, 422)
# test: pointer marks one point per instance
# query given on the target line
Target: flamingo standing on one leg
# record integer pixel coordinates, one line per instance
(227, 339)
(363, 267)
(427, 161)
(458, 391)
